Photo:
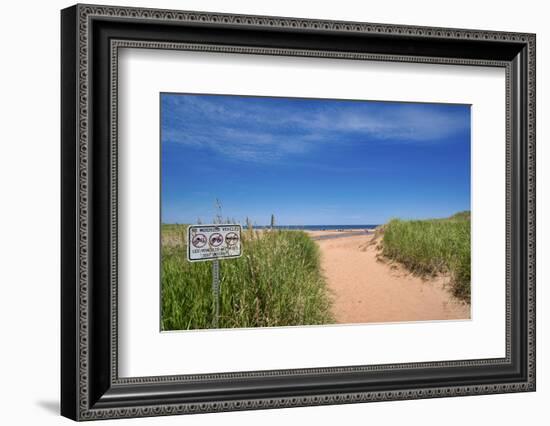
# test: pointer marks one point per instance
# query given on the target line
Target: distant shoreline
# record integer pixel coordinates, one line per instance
(302, 227)
(317, 227)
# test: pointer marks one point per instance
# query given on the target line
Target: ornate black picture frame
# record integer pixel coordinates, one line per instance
(91, 36)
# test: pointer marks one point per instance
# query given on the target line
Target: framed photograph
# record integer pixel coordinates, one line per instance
(263, 212)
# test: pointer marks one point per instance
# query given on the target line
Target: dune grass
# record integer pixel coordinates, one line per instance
(277, 282)
(433, 246)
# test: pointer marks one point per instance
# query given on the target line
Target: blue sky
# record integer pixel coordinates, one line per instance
(311, 161)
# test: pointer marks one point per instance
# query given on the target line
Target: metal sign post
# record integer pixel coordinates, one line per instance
(212, 243)
(216, 292)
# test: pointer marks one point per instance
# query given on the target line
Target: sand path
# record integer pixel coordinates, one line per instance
(365, 289)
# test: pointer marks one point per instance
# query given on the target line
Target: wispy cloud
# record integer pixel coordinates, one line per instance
(270, 129)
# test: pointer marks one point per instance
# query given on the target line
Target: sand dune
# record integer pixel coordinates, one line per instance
(365, 289)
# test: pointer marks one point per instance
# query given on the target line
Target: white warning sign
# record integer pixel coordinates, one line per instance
(210, 242)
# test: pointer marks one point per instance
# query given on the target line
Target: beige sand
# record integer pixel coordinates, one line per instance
(314, 234)
(366, 289)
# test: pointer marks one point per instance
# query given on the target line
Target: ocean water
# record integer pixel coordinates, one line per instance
(318, 227)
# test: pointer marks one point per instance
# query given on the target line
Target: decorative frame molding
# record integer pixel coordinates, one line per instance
(91, 37)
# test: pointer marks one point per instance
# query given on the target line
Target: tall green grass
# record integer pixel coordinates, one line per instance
(433, 246)
(276, 282)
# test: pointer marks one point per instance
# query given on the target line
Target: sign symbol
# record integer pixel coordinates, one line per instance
(199, 240)
(216, 240)
(212, 242)
(232, 238)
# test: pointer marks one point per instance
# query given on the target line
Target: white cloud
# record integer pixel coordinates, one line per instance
(254, 131)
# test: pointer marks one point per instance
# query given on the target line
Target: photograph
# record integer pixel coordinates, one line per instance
(265, 209)
(280, 211)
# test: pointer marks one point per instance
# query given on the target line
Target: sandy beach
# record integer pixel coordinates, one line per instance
(366, 289)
